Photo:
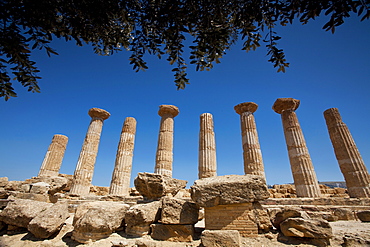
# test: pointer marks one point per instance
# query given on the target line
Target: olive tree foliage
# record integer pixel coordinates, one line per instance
(156, 27)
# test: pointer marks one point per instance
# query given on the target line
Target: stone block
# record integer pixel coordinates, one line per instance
(288, 212)
(50, 221)
(173, 233)
(178, 211)
(229, 189)
(3, 181)
(364, 216)
(139, 218)
(232, 217)
(154, 186)
(306, 228)
(344, 214)
(40, 188)
(21, 211)
(97, 220)
(220, 238)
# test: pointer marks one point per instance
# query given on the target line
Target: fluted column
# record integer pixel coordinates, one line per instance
(304, 176)
(120, 184)
(54, 156)
(164, 156)
(349, 158)
(252, 155)
(207, 165)
(85, 166)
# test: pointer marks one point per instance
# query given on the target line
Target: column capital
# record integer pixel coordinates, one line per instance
(285, 104)
(171, 110)
(245, 107)
(99, 113)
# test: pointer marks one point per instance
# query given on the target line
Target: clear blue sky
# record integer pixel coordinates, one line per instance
(326, 71)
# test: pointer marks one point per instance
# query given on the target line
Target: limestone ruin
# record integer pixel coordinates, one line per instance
(54, 156)
(304, 176)
(164, 156)
(349, 158)
(252, 154)
(120, 184)
(207, 166)
(216, 211)
(85, 166)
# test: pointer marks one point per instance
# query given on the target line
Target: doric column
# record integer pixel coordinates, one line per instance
(85, 166)
(164, 156)
(120, 184)
(252, 155)
(207, 147)
(349, 158)
(304, 176)
(54, 156)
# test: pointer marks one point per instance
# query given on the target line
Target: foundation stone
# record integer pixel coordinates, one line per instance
(229, 189)
(154, 186)
(221, 238)
(49, 221)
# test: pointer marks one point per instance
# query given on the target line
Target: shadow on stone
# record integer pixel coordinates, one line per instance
(319, 242)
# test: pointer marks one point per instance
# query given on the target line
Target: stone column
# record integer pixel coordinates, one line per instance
(207, 165)
(120, 184)
(304, 176)
(164, 156)
(54, 156)
(85, 166)
(252, 155)
(349, 158)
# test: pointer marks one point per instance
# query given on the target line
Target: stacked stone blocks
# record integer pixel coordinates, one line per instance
(231, 217)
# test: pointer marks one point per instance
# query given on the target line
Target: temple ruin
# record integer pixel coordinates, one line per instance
(228, 207)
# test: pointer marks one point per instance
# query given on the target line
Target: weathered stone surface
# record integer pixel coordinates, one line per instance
(288, 213)
(85, 166)
(3, 181)
(304, 176)
(350, 240)
(229, 189)
(344, 214)
(261, 217)
(54, 156)
(207, 164)
(164, 155)
(177, 211)
(139, 218)
(119, 243)
(40, 188)
(57, 184)
(31, 196)
(252, 155)
(364, 216)
(237, 216)
(349, 159)
(96, 220)
(174, 233)
(13, 185)
(20, 212)
(153, 186)
(49, 221)
(221, 238)
(306, 228)
(120, 183)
